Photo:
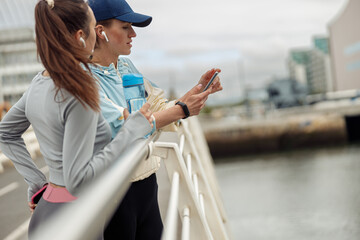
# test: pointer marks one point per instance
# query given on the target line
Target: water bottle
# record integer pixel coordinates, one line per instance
(134, 91)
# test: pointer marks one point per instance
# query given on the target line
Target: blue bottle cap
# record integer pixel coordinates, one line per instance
(132, 79)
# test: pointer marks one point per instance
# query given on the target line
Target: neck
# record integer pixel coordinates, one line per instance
(103, 58)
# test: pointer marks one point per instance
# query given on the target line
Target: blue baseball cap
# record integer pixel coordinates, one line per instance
(118, 9)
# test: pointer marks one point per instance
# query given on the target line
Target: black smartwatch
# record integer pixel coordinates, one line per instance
(184, 108)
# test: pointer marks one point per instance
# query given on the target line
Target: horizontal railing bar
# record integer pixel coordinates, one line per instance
(85, 218)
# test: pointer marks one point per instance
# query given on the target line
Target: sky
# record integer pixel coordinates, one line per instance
(248, 39)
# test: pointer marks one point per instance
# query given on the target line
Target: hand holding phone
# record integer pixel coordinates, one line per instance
(210, 82)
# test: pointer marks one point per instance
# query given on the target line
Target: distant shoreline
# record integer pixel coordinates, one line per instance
(230, 138)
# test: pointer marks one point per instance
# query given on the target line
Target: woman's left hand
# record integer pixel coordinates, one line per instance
(205, 78)
(32, 206)
(126, 113)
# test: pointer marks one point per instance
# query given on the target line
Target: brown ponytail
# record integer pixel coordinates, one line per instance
(60, 53)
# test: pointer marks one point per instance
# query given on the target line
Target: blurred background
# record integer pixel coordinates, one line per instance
(284, 132)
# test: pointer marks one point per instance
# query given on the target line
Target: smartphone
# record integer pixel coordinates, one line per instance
(210, 82)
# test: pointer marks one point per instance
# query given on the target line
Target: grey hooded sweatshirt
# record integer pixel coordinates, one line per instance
(74, 141)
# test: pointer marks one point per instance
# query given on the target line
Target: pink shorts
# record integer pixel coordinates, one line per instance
(57, 195)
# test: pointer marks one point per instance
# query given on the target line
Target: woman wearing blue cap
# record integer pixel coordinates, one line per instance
(138, 215)
(62, 104)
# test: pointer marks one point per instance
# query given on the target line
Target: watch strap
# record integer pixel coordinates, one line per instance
(184, 108)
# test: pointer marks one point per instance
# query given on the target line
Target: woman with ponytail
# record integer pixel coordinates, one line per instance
(62, 105)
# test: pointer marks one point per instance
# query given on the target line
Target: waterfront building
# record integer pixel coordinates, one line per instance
(298, 62)
(345, 47)
(320, 76)
(311, 66)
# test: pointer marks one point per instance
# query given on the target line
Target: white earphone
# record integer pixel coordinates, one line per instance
(83, 42)
(104, 34)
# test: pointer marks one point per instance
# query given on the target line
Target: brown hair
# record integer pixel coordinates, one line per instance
(61, 54)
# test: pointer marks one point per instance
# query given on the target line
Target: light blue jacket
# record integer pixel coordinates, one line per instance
(112, 103)
(112, 92)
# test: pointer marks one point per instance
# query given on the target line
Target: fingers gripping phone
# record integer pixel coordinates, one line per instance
(210, 82)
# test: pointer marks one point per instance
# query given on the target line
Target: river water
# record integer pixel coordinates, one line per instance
(304, 194)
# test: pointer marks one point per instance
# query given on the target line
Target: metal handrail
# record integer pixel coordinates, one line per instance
(97, 201)
(199, 205)
(192, 196)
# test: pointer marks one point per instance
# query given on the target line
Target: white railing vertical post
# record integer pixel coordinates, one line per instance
(175, 162)
(188, 164)
(170, 228)
(196, 185)
(201, 199)
(203, 182)
(185, 233)
(182, 143)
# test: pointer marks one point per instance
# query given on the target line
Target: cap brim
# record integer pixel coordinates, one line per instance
(137, 19)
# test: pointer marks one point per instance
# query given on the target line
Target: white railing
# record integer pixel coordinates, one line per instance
(194, 194)
(85, 218)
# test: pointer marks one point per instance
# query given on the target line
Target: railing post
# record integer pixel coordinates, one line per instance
(185, 233)
(201, 199)
(171, 216)
(188, 164)
(196, 185)
(182, 143)
(215, 217)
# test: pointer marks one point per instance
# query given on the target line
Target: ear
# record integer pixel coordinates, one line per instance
(99, 29)
(78, 34)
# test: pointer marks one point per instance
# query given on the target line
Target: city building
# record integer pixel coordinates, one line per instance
(320, 75)
(298, 62)
(311, 66)
(345, 47)
(18, 58)
(18, 63)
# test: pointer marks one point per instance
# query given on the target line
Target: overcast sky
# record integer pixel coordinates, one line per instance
(248, 39)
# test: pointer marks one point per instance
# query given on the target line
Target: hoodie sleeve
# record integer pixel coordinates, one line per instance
(80, 164)
(13, 146)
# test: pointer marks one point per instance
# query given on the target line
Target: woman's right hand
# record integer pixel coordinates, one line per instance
(144, 110)
(205, 78)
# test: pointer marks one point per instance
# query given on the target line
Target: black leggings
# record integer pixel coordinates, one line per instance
(138, 215)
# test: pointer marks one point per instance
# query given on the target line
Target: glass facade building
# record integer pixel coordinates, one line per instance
(311, 66)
